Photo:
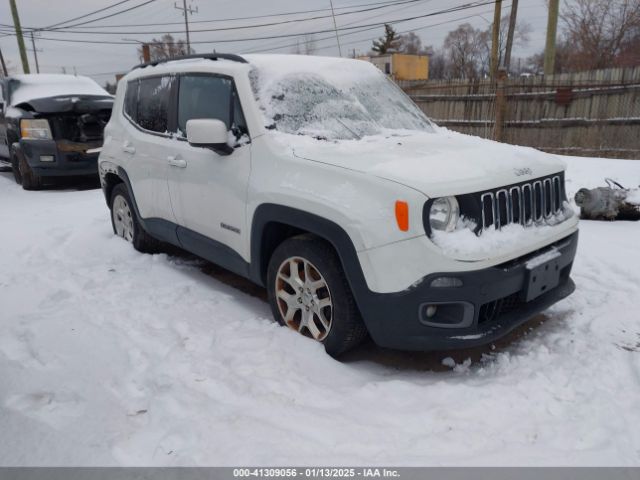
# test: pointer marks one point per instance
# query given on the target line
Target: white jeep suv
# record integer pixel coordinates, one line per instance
(319, 179)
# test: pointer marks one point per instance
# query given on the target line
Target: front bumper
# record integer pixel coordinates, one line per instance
(69, 159)
(490, 303)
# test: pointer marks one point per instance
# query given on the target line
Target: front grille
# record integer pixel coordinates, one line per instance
(524, 203)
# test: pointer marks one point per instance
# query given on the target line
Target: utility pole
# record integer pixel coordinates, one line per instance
(335, 27)
(146, 54)
(552, 30)
(35, 52)
(4, 65)
(510, 34)
(495, 39)
(186, 11)
(16, 24)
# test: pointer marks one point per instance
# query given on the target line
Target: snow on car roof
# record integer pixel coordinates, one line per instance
(338, 71)
(31, 87)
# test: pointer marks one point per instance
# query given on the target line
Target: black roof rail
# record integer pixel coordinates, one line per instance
(209, 56)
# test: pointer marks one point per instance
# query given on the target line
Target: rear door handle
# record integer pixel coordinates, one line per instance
(128, 147)
(177, 161)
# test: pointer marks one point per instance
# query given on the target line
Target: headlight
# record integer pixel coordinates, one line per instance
(35, 129)
(444, 214)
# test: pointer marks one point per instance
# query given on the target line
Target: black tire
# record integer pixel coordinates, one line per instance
(347, 329)
(29, 180)
(15, 168)
(142, 241)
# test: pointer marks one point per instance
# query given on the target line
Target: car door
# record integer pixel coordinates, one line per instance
(209, 189)
(145, 142)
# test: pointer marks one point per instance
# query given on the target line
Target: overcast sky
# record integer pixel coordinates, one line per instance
(102, 61)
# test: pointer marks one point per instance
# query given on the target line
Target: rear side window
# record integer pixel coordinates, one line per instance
(153, 103)
(204, 96)
(146, 103)
(131, 100)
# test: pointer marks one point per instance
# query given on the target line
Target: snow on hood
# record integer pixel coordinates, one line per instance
(437, 164)
(346, 113)
(32, 87)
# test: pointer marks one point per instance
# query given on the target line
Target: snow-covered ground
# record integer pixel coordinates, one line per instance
(108, 356)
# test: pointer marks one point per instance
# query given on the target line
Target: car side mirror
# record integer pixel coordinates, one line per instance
(209, 133)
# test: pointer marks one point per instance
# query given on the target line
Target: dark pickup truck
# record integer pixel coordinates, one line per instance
(51, 125)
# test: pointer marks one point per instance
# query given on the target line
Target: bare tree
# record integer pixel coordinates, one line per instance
(466, 52)
(601, 33)
(521, 35)
(309, 44)
(387, 44)
(166, 47)
(410, 43)
(438, 65)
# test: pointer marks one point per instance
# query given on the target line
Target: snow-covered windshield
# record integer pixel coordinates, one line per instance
(329, 98)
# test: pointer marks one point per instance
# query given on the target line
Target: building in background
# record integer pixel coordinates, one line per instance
(400, 66)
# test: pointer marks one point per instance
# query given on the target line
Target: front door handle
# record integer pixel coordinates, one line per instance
(128, 147)
(177, 161)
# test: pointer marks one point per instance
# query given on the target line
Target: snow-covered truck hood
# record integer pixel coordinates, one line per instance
(436, 164)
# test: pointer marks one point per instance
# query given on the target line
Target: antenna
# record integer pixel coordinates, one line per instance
(335, 27)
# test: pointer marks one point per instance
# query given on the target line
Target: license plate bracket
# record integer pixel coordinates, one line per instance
(541, 278)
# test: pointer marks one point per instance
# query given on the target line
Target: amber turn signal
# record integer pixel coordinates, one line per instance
(402, 215)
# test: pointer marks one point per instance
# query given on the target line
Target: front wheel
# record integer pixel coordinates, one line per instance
(15, 168)
(308, 292)
(29, 179)
(125, 223)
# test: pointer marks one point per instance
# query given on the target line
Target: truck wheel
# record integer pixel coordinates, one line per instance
(29, 180)
(125, 222)
(15, 168)
(308, 292)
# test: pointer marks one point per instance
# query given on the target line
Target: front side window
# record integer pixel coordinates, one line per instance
(204, 96)
(208, 96)
(153, 103)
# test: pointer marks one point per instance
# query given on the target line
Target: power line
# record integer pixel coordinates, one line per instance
(88, 14)
(368, 17)
(217, 20)
(353, 42)
(239, 27)
(269, 37)
(119, 12)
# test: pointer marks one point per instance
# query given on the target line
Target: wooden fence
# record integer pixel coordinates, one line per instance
(594, 113)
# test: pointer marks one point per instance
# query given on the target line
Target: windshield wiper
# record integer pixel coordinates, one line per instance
(358, 137)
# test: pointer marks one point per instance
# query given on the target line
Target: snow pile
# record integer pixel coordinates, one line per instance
(633, 196)
(112, 357)
(32, 87)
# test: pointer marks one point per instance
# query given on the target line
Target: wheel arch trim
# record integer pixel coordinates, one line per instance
(326, 229)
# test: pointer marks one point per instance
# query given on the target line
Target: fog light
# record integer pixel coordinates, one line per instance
(446, 282)
(47, 158)
(430, 311)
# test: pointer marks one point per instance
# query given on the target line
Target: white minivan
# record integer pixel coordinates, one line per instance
(319, 179)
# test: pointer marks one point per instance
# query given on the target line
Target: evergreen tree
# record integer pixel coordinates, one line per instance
(389, 43)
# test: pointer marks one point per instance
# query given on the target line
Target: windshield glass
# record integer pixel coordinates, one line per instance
(348, 102)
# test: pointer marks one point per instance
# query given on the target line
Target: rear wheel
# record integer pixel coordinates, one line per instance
(309, 293)
(125, 222)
